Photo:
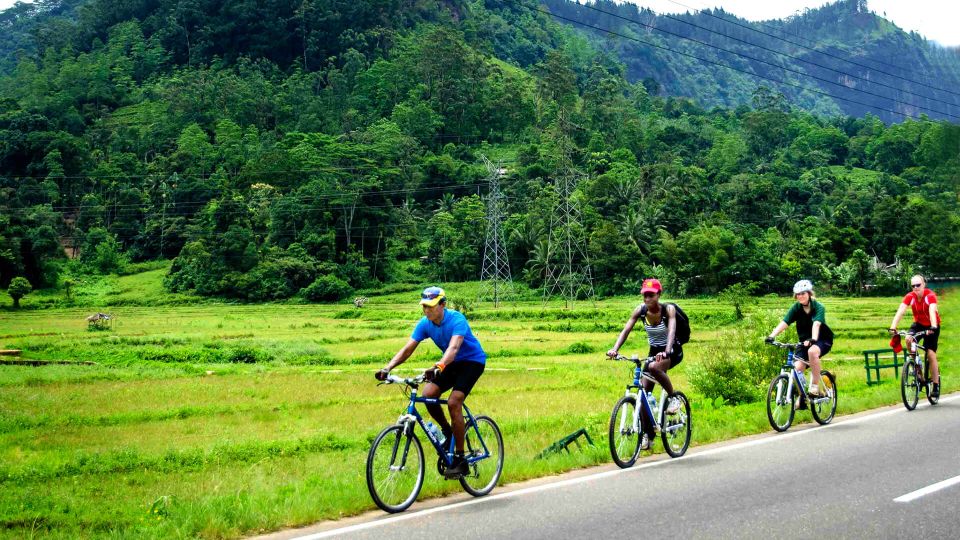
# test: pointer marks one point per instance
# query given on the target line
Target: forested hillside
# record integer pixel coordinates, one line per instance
(311, 148)
(841, 58)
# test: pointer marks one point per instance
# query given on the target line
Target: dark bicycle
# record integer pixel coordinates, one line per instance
(790, 387)
(395, 464)
(916, 373)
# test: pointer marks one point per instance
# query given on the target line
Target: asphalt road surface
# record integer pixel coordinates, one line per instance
(886, 474)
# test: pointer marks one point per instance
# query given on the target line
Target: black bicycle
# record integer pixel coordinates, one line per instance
(916, 373)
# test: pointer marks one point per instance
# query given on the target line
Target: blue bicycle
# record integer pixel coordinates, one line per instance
(395, 464)
(788, 390)
(671, 420)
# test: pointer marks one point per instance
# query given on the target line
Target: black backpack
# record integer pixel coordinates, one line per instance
(683, 322)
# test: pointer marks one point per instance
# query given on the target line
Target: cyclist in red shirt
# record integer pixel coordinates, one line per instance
(926, 318)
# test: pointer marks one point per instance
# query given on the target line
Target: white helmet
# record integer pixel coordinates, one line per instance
(804, 285)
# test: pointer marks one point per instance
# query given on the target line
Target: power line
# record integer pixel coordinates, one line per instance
(762, 61)
(798, 59)
(719, 64)
(818, 51)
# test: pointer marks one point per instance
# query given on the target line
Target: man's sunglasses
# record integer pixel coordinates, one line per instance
(916, 285)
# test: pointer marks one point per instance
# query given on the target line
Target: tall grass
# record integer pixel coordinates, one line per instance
(222, 420)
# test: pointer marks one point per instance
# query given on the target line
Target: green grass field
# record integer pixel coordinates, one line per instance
(218, 420)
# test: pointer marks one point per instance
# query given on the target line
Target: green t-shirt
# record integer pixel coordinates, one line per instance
(804, 321)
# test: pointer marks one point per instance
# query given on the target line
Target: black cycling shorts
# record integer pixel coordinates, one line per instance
(825, 347)
(675, 357)
(929, 341)
(460, 376)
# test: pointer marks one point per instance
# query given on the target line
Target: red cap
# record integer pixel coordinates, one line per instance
(895, 344)
(651, 285)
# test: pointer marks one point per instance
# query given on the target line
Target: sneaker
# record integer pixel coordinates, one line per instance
(458, 468)
(814, 390)
(673, 406)
(645, 442)
(936, 390)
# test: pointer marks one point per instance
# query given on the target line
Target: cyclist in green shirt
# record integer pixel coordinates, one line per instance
(815, 336)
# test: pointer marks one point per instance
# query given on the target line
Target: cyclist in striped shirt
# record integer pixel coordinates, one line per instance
(660, 323)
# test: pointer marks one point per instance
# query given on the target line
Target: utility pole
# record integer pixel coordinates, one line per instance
(495, 271)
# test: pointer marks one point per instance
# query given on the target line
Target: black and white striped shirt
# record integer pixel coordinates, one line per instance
(657, 334)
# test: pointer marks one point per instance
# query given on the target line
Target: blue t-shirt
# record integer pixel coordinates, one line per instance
(453, 324)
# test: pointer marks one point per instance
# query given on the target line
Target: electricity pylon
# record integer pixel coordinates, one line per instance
(495, 271)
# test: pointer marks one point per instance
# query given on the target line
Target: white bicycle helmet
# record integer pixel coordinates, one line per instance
(804, 285)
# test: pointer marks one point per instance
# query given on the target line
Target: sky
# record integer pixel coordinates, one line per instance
(934, 19)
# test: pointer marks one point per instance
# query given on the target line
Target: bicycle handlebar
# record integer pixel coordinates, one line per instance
(907, 333)
(409, 381)
(784, 345)
(640, 362)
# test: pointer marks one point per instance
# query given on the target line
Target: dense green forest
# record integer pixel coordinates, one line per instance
(313, 148)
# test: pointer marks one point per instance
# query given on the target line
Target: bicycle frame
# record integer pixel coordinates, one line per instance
(796, 377)
(413, 417)
(642, 397)
(922, 365)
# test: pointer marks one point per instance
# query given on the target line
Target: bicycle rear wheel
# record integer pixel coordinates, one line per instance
(780, 409)
(484, 473)
(395, 469)
(825, 407)
(677, 427)
(909, 385)
(624, 437)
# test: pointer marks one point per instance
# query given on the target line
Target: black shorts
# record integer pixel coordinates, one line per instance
(675, 357)
(460, 376)
(930, 341)
(825, 347)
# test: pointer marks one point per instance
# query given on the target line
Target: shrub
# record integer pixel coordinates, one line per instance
(739, 371)
(581, 348)
(248, 355)
(327, 288)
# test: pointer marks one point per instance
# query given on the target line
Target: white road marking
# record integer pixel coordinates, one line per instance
(605, 474)
(913, 495)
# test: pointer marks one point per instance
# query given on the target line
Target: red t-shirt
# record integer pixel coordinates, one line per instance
(921, 307)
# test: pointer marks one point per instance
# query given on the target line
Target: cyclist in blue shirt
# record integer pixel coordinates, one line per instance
(459, 368)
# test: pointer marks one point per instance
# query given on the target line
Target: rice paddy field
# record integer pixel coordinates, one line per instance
(188, 419)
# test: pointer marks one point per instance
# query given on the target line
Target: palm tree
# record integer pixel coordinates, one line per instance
(446, 202)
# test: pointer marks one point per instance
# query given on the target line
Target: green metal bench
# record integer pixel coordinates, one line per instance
(876, 359)
(563, 443)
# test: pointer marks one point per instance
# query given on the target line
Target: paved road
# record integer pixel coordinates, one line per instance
(838, 481)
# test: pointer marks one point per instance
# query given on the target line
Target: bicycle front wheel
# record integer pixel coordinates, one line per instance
(909, 385)
(485, 472)
(395, 469)
(823, 408)
(780, 409)
(677, 427)
(624, 436)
